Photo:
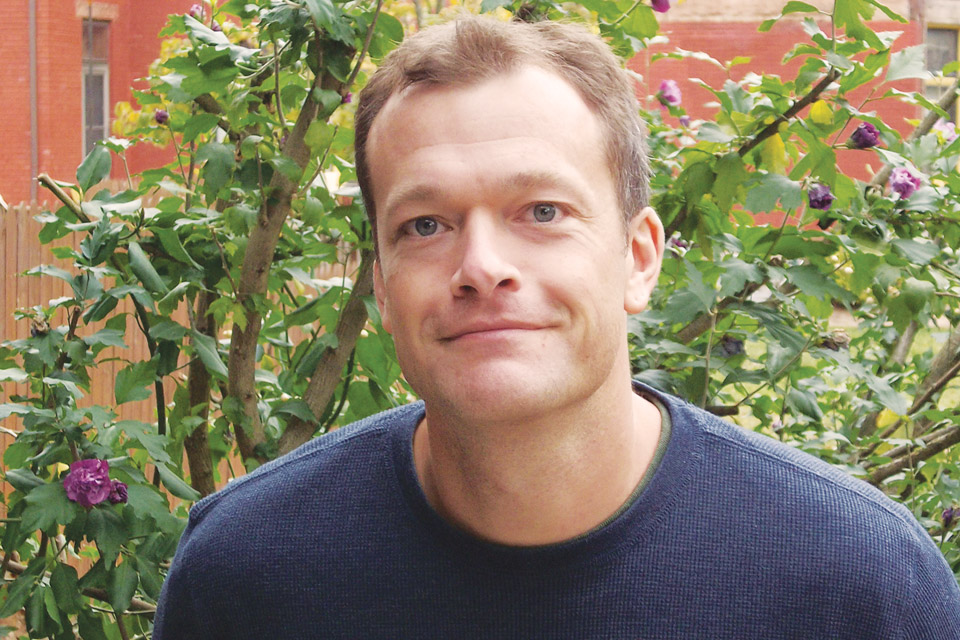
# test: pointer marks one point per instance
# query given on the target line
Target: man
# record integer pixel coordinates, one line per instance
(536, 492)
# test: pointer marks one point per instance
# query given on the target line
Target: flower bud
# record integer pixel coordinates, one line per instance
(819, 197)
(118, 492)
(160, 116)
(865, 136)
(669, 93)
(660, 6)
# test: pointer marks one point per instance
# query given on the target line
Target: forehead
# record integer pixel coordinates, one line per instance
(526, 112)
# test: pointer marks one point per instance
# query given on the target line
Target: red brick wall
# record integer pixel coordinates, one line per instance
(14, 101)
(727, 40)
(133, 46)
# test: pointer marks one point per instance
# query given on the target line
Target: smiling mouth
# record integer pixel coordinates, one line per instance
(492, 331)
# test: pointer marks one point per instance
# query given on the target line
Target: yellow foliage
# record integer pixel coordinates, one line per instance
(821, 113)
(774, 154)
(886, 418)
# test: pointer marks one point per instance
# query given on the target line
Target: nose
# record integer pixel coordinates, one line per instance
(484, 265)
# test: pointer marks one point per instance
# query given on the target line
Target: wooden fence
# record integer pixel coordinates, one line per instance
(20, 250)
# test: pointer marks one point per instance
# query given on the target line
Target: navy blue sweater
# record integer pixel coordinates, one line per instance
(735, 536)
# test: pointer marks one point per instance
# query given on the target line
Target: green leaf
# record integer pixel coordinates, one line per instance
(489, 5)
(90, 625)
(131, 382)
(805, 402)
(170, 240)
(320, 134)
(150, 579)
(220, 161)
(48, 505)
(94, 168)
(13, 375)
(711, 132)
(23, 480)
(141, 267)
(167, 330)
(121, 585)
(287, 166)
(731, 173)
(696, 180)
(199, 123)
(706, 295)
(147, 502)
(107, 528)
(908, 63)
(206, 348)
(176, 485)
(770, 188)
(63, 583)
(918, 252)
(18, 592)
(8, 409)
(296, 407)
(813, 283)
(49, 270)
(887, 395)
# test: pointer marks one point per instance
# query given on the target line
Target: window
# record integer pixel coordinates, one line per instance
(96, 82)
(942, 49)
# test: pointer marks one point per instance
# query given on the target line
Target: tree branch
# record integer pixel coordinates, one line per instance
(946, 101)
(797, 107)
(326, 376)
(950, 437)
(197, 445)
(99, 594)
(254, 274)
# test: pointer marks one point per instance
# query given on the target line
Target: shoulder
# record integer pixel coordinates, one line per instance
(746, 457)
(797, 515)
(777, 483)
(325, 471)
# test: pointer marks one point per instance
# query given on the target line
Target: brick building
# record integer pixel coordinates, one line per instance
(69, 61)
(66, 62)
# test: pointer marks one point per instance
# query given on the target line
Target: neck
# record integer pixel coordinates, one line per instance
(541, 481)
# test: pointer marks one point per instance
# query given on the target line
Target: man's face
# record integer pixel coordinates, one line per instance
(504, 272)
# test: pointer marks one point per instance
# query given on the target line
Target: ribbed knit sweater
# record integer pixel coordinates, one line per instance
(734, 536)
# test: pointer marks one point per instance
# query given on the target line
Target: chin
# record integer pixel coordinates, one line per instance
(499, 394)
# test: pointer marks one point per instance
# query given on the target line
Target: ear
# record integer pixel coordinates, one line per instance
(643, 259)
(380, 292)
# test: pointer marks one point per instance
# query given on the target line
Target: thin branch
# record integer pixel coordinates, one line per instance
(797, 107)
(136, 605)
(945, 103)
(882, 472)
(366, 46)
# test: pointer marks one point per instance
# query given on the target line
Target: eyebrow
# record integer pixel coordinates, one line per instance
(424, 192)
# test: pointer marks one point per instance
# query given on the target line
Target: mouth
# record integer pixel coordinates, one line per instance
(489, 330)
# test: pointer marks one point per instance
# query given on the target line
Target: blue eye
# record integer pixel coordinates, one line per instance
(544, 212)
(425, 226)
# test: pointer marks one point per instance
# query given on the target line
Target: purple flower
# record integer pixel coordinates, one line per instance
(865, 136)
(661, 6)
(216, 26)
(88, 482)
(903, 182)
(196, 11)
(669, 93)
(160, 116)
(685, 120)
(347, 98)
(947, 130)
(819, 197)
(118, 492)
(730, 346)
(948, 516)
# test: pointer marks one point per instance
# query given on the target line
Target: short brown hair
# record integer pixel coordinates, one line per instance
(471, 49)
